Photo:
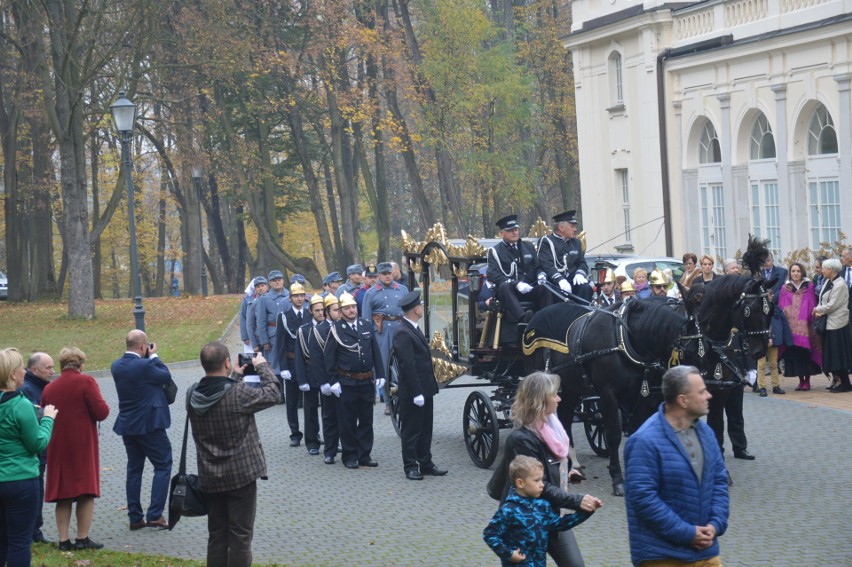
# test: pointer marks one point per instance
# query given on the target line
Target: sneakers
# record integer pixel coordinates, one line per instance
(86, 543)
(778, 390)
(66, 545)
(763, 393)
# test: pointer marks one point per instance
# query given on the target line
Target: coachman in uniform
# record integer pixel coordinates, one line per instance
(352, 356)
(562, 259)
(330, 402)
(417, 387)
(309, 384)
(289, 322)
(513, 269)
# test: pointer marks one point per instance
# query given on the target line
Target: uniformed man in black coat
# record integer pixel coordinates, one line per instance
(309, 384)
(417, 386)
(561, 257)
(353, 358)
(288, 324)
(513, 269)
(330, 430)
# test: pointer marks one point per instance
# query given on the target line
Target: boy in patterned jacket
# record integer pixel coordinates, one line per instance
(518, 533)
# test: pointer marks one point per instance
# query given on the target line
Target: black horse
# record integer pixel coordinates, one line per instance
(733, 335)
(620, 354)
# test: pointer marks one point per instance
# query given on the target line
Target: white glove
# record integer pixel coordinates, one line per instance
(304, 387)
(523, 287)
(542, 278)
(325, 389)
(336, 389)
(380, 383)
(751, 377)
(580, 279)
(565, 286)
(286, 374)
(419, 401)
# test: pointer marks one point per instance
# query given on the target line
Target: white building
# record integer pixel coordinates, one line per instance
(753, 97)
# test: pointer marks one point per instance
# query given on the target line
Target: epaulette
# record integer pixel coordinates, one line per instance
(378, 287)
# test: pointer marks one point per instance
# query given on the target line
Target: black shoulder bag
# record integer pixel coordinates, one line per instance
(185, 497)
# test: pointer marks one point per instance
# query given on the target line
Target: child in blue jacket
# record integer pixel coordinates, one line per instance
(518, 533)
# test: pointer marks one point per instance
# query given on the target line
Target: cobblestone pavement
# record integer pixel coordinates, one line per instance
(789, 507)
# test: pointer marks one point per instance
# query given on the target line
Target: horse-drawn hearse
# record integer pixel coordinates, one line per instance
(610, 359)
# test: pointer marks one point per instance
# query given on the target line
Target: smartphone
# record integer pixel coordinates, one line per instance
(247, 359)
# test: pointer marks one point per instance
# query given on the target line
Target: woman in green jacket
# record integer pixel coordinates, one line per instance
(22, 437)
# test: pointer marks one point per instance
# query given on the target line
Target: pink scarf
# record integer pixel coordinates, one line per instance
(558, 443)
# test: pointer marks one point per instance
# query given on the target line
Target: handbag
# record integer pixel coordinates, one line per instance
(171, 391)
(821, 325)
(185, 496)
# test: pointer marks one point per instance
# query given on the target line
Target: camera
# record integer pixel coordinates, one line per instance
(247, 359)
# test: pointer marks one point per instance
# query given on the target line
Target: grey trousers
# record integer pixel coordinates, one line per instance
(230, 526)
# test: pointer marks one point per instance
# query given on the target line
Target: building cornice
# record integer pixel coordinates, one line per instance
(657, 16)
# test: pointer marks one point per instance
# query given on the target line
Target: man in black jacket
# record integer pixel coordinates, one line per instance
(513, 269)
(562, 258)
(417, 386)
(288, 324)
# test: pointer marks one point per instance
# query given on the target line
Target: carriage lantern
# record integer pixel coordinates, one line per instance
(474, 280)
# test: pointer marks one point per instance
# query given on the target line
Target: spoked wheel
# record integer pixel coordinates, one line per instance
(595, 427)
(392, 390)
(481, 430)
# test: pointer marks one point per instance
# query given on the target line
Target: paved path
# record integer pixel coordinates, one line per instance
(789, 507)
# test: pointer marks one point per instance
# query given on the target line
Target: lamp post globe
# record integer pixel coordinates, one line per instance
(124, 120)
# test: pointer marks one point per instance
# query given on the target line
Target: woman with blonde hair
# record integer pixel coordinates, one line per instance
(73, 462)
(22, 438)
(539, 434)
(705, 272)
(640, 283)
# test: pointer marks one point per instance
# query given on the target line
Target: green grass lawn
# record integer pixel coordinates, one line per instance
(50, 556)
(179, 326)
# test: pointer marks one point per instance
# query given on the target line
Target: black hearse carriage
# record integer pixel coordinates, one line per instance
(469, 342)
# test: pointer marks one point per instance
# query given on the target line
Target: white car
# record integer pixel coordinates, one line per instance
(4, 286)
(624, 265)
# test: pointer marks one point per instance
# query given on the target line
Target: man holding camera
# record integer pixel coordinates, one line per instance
(228, 451)
(143, 417)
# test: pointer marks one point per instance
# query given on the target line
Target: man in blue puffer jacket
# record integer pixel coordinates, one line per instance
(676, 488)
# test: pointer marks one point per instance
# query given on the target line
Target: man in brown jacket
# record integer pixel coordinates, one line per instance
(230, 457)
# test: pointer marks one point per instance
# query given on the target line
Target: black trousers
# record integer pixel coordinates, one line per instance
(40, 517)
(563, 549)
(511, 298)
(736, 423)
(416, 434)
(355, 419)
(311, 411)
(293, 396)
(230, 526)
(330, 429)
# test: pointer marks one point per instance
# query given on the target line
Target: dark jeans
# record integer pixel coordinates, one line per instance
(230, 526)
(416, 435)
(563, 549)
(355, 420)
(39, 517)
(154, 446)
(18, 509)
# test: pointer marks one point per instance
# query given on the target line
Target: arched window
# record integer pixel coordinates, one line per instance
(762, 142)
(822, 138)
(709, 150)
(616, 78)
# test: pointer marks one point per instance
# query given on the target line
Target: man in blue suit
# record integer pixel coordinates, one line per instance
(143, 417)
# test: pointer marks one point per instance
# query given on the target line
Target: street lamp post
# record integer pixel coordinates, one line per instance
(196, 177)
(124, 119)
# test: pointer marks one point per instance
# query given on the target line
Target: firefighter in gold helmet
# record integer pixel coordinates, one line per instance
(609, 294)
(658, 283)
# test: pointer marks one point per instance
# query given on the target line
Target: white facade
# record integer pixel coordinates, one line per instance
(758, 122)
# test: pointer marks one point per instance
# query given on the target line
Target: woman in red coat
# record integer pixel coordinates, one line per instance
(73, 464)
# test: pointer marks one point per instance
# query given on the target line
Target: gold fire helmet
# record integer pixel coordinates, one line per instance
(610, 276)
(316, 298)
(297, 289)
(330, 299)
(657, 278)
(346, 300)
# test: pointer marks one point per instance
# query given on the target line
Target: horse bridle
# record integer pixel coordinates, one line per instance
(746, 301)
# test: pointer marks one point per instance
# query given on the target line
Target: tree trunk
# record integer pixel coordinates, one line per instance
(214, 223)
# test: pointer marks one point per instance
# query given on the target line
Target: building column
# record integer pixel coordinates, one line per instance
(790, 240)
(843, 128)
(731, 220)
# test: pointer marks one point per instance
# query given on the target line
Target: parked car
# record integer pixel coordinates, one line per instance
(624, 265)
(4, 286)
